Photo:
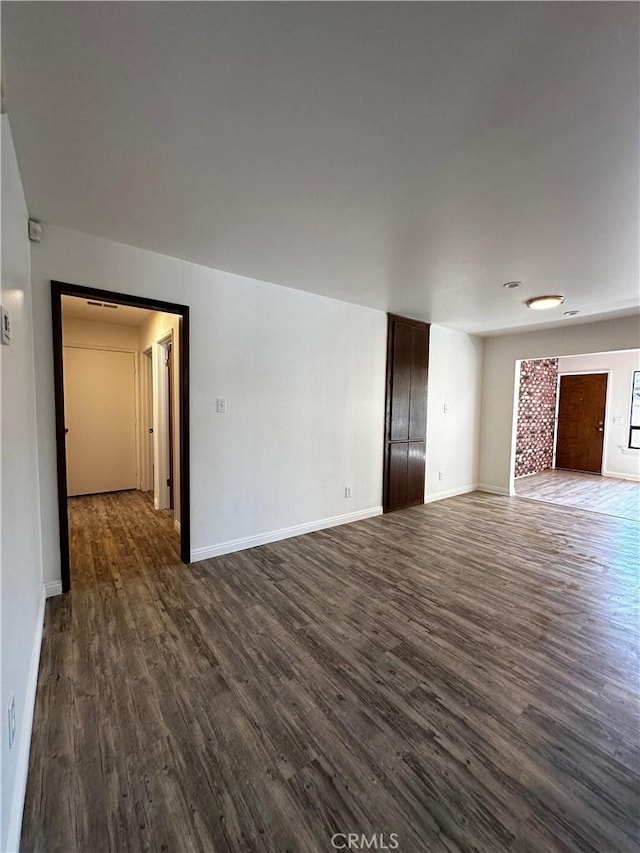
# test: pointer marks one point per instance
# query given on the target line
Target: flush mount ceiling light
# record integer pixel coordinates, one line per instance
(542, 303)
(512, 284)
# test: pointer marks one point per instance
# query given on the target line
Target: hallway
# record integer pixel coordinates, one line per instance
(118, 537)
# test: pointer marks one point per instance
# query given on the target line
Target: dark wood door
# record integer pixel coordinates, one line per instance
(406, 413)
(581, 415)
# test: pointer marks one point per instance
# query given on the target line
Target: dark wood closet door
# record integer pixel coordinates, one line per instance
(581, 415)
(406, 413)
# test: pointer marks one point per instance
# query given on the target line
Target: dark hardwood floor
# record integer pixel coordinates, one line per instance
(463, 674)
(117, 536)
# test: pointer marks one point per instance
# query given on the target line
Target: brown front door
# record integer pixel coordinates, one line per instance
(581, 415)
(406, 413)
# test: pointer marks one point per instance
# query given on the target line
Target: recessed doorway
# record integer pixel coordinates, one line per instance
(574, 432)
(122, 432)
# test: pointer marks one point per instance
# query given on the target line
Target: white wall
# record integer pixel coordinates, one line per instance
(21, 575)
(455, 381)
(156, 327)
(303, 377)
(619, 460)
(499, 375)
(88, 333)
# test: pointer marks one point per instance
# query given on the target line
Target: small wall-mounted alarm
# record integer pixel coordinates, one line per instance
(35, 231)
(5, 328)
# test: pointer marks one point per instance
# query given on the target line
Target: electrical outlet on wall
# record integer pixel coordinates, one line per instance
(441, 475)
(347, 491)
(11, 714)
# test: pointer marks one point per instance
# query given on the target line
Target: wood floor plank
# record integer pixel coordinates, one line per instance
(593, 492)
(463, 674)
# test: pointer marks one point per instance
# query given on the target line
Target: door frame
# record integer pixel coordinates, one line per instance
(58, 290)
(146, 419)
(162, 414)
(605, 426)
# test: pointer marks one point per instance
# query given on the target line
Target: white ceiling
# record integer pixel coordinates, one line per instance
(122, 315)
(407, 156)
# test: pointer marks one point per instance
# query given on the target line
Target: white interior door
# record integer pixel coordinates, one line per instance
(160, 426)
(100, 418)
(146, 418)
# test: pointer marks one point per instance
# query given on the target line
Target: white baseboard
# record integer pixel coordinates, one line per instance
(493, 490)
(26, 726)
(284, 533)
(635, 478)
(176, 525)
(52, 588)
(451, 493)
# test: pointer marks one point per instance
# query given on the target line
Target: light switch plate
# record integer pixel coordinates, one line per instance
(221, 406)
(5, 330)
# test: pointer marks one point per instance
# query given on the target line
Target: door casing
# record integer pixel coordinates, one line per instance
(58, 290)
(146, 415)
(162, 425)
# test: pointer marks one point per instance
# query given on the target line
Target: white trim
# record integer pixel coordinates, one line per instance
(582, 372)
(284, 533)
(161, 417)
(176, 525)
(451, 493)
(26, 725)
(514, 431)
(52, 588)
(556, 415)
(634, 477)
(494, 490)
(160, 473)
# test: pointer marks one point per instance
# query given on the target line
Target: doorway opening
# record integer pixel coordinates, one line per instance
(122, 432)
(573, 432)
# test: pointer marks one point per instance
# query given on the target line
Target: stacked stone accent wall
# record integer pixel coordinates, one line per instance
(536, 414)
